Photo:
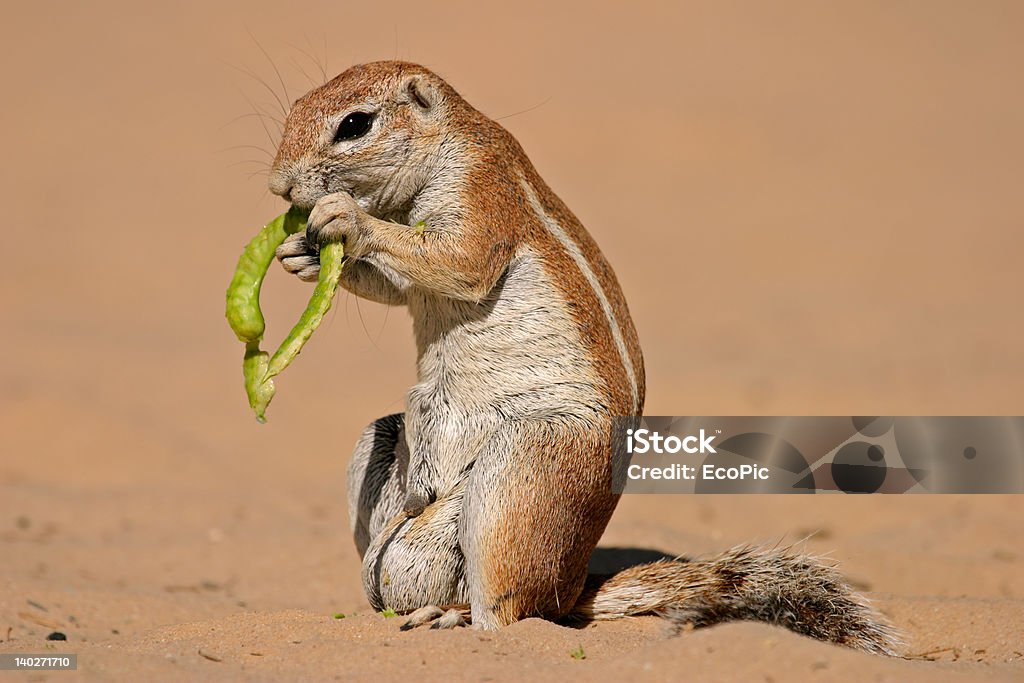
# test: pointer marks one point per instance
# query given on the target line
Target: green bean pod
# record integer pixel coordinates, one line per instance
(332, 258)
(254, 368)
(246, 319)
(243, 296)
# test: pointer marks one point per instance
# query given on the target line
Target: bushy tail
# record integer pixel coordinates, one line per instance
(779, 586)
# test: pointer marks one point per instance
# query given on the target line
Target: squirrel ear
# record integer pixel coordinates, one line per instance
(419, 92)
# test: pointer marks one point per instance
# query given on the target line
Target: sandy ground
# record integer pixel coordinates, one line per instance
(814, 208)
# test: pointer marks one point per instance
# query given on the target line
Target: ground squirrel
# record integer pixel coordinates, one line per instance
(489, 494)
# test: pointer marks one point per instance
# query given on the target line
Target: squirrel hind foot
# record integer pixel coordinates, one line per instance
(453, 618)
(442, 619)
(421, 616)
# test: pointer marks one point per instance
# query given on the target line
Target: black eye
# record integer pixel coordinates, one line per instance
(353, 126)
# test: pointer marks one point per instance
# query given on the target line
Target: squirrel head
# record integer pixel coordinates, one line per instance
(375, 131)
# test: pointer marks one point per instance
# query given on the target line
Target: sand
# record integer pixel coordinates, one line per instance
(813, 208)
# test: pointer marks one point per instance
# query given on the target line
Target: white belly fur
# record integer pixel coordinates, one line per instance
(516, 357)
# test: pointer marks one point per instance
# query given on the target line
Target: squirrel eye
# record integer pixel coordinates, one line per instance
(353, 126)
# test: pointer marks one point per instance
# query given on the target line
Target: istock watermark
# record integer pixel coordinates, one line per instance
(644, 440)
(819, 455)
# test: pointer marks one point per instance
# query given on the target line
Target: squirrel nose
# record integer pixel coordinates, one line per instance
(282, 184)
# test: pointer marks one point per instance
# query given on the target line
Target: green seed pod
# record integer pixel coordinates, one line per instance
(254, 368)
(332, 258)
(243, 296)
(246, 319)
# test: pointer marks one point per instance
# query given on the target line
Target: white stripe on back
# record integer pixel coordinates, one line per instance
(581, 262)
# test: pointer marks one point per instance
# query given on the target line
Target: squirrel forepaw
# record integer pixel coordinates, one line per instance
(298, 258)
(337, 218)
